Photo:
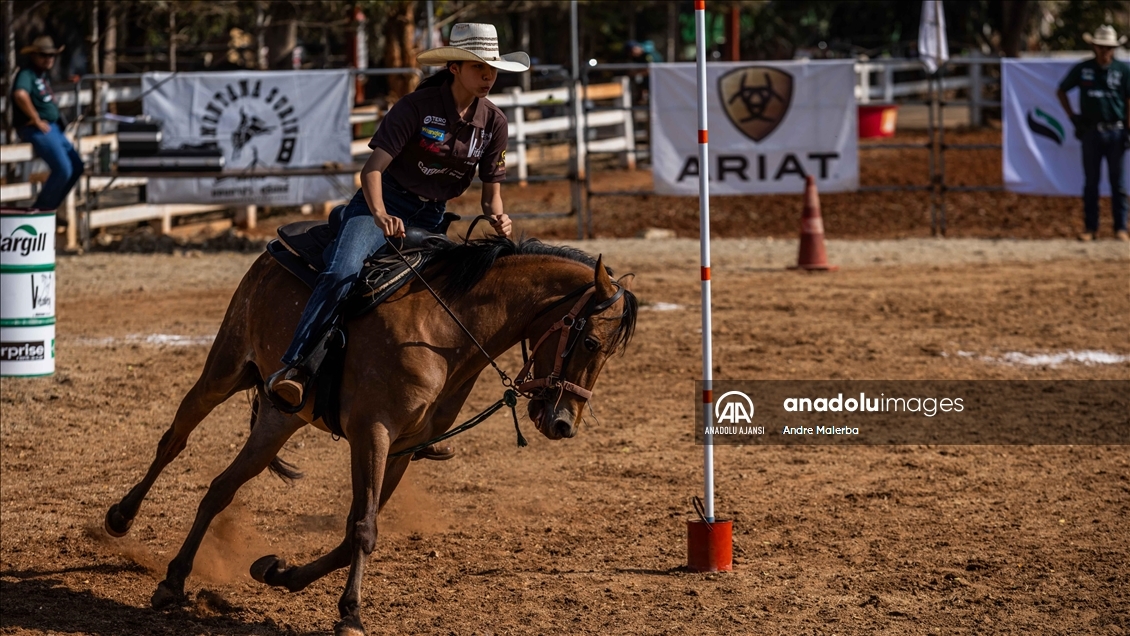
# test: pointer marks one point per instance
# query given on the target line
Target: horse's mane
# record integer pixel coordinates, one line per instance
(464, 265)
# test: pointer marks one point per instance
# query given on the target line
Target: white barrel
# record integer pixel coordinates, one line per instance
(27, 292)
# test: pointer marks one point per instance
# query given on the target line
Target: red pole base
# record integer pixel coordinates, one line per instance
(710, 546)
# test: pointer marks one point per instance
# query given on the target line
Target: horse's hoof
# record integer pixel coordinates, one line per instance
(165, 597)
(348, 627)
(116, 525)
(267, 569)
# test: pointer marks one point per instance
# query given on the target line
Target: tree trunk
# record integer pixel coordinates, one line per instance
(262, 55)
(1014, 19)
(96, 67)
(172, 38)
(631, 20)
(672, 32)
(523, 43)
(10, 55)
(110, 47)
(733, 34)
(110, 40)
(281, 39)
(400, 47)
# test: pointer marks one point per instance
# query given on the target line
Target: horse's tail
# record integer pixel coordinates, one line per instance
(281, 468)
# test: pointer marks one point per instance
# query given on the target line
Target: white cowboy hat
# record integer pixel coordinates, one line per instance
(1104, 36)
(475, 43)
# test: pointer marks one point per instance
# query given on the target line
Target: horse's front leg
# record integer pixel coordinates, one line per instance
(368, 447)
(271, 431)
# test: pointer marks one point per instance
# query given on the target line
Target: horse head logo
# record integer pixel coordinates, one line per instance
(756, 99)
(248, 129)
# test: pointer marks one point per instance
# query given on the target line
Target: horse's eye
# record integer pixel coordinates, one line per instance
(592, 344)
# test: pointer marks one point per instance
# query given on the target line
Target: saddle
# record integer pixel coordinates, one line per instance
(299, 250)
(300, 246)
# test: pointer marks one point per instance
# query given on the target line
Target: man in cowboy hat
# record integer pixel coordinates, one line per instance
(1102, 125)
(36, 119)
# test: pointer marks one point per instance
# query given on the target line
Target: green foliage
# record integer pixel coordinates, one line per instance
(769, 29)
(1078, 17)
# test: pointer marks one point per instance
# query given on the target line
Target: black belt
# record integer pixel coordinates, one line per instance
(1104, 126)
(387, 179)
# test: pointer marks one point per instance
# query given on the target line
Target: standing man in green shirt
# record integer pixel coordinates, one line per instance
(1102, 125)
(36, 119)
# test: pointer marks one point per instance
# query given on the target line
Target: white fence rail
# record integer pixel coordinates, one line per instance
(885, 89)
(524, 129)
(542, 119)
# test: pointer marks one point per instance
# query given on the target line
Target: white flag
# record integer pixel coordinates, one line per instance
(933, 49)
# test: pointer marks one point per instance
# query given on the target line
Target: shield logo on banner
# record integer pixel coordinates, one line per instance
(756, 99)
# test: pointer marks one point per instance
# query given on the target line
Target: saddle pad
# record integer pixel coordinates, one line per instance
(299, 250)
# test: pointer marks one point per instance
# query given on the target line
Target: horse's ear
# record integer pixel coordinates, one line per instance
(604, 287)
(626, 281)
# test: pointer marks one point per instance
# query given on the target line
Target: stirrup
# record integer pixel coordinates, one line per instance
(286, 388)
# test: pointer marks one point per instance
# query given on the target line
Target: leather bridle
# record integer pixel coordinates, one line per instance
(569, 328)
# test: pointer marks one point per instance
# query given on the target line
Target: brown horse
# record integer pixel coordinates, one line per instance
(408, 370)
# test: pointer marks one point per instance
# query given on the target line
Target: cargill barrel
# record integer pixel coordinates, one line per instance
(27, 292)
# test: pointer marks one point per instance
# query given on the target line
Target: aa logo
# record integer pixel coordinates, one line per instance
(1045, 125)
(734, 407)
(756, 99)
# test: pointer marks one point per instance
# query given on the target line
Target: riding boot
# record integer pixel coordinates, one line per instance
(437, 452)
(288, 384)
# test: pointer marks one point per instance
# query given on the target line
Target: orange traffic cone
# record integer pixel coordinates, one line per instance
(812, 255)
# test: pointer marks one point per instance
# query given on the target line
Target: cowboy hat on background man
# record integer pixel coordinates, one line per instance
(475, 43)
(1104, 36)
(42, 45)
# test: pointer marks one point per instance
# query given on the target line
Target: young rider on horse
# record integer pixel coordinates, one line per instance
(426, 152)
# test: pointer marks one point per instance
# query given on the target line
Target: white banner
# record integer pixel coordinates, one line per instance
(263, 119)
(1041, 153)
(771, 125)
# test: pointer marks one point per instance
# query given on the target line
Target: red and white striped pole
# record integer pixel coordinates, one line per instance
(704, 249)
(709, 541)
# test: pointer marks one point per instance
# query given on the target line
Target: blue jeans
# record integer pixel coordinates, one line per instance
(59, 155)
(357, 238)
(1099, 145)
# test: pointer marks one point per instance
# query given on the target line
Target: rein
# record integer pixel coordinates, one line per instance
(570, 325)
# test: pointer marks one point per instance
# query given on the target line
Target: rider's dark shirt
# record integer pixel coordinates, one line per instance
(435, 152)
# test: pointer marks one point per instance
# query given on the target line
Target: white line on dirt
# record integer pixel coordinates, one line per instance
(157, 339)
(1086, 357)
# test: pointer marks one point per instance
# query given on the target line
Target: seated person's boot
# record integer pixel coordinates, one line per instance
(288, 385)
(437, 452)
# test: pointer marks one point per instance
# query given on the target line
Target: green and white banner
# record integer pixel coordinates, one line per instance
(1041, 153)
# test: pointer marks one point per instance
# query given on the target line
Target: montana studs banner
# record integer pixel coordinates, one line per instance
(771, 125)
(266, 120)
(1041, 153)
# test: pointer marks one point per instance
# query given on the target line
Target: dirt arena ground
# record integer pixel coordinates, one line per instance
(588, 535)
